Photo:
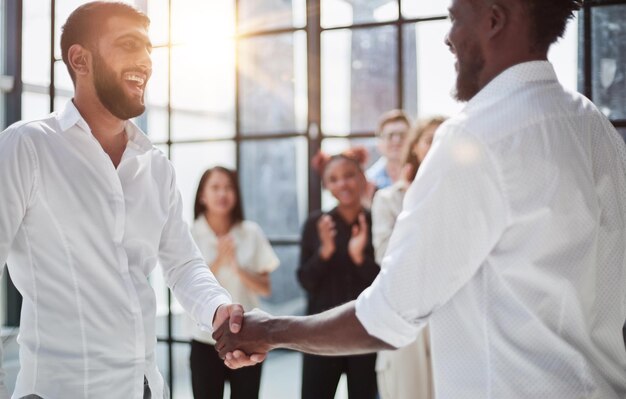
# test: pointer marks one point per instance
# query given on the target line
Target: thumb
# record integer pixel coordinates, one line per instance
(355, 230)
(235, 318)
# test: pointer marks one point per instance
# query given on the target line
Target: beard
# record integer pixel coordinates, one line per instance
(111, 93)
(468, 75)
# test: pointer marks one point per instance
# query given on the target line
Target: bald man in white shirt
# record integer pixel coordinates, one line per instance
(87, 207)
(511, 242)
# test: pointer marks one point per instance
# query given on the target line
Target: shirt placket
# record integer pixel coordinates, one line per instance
(118, 205)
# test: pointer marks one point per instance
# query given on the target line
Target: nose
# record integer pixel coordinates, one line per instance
(446, 40)
(144, 62)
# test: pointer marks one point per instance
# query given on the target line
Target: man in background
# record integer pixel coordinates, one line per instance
(510, 244)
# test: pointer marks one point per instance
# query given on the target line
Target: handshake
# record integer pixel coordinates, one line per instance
(250, 344)
(245, 340)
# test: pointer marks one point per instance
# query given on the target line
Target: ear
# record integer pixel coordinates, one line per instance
(80, 59)
(498, 19)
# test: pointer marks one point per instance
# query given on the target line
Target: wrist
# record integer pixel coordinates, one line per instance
(325, 252)
(357, 259)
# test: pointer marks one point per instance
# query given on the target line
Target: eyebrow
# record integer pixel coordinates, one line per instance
(146, 42)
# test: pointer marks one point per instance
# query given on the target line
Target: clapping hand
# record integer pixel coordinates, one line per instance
(247, 347)
(327, 232)
(358, 240)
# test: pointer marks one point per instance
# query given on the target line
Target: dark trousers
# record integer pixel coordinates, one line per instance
(320, 376)
(208, 375)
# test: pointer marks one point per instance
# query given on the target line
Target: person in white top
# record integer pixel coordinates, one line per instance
(510, 244)
(406, 372)
(87, 208)
(241, 258)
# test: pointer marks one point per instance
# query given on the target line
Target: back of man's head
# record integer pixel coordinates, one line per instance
(548, 19)
(88, 21)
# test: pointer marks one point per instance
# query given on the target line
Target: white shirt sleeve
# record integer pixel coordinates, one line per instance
(17, 179)
(453, 214)
(184, 269)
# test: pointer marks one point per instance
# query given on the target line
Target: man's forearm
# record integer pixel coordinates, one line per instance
(334, 332)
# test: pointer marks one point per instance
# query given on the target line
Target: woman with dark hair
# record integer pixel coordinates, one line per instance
(406, 372)
(241, 258)
(336, 264)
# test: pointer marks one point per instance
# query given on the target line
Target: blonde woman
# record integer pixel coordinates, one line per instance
(406, 372)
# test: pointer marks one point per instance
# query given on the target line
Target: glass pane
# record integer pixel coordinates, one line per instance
(287, 296)
(2, 101)
(62, 80)
(429, 75)
(272, 84)
(270, 14)
(36, 42)
(159, 21)
(35, 105)
(182, 372)
(564, 56)
(60, 102)
(156, 120)
(335, 146)
(359, 78)
(203, 91)
(421, 8)
(273, 175)
(190, 162)
(609, 60)
(343, 13)
(622, 132)
(201, 23)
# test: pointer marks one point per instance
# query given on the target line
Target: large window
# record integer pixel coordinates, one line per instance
(261, 85)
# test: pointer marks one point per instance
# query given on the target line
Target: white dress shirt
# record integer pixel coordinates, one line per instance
(522, 267)
(81, 238)
(254, 253)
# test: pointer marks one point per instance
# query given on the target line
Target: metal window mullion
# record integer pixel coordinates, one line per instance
(314, 125)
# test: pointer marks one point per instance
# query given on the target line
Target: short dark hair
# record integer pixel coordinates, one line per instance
(199, 208)
(86, 22)
(548, 20)
(391, 116)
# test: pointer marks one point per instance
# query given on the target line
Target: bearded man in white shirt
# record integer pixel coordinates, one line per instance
(88, 207)
(511, 239)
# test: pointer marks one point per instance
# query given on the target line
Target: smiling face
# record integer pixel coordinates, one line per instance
(345, 181)
(463, 41)
(218, 194)
(122, 67)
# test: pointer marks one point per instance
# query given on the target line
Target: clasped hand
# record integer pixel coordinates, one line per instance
(247, 347)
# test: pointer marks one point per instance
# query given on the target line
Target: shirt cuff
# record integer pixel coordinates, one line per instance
(381, 321)
(206, 319)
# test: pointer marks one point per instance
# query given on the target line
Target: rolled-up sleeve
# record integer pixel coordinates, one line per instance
(184, 269)
(453, 215)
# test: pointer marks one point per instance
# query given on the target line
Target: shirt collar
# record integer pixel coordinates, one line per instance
(69, 116)
(512, 79)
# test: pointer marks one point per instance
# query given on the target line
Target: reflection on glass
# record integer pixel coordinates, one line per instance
(335, 146)
(270, 14)
(274, 185)
(343, 13)
(285, 287)
(429, 75)
(421, 8)
(36, 42)
(190, 162)
(359, 78)
(272, 83)
(609, 60)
